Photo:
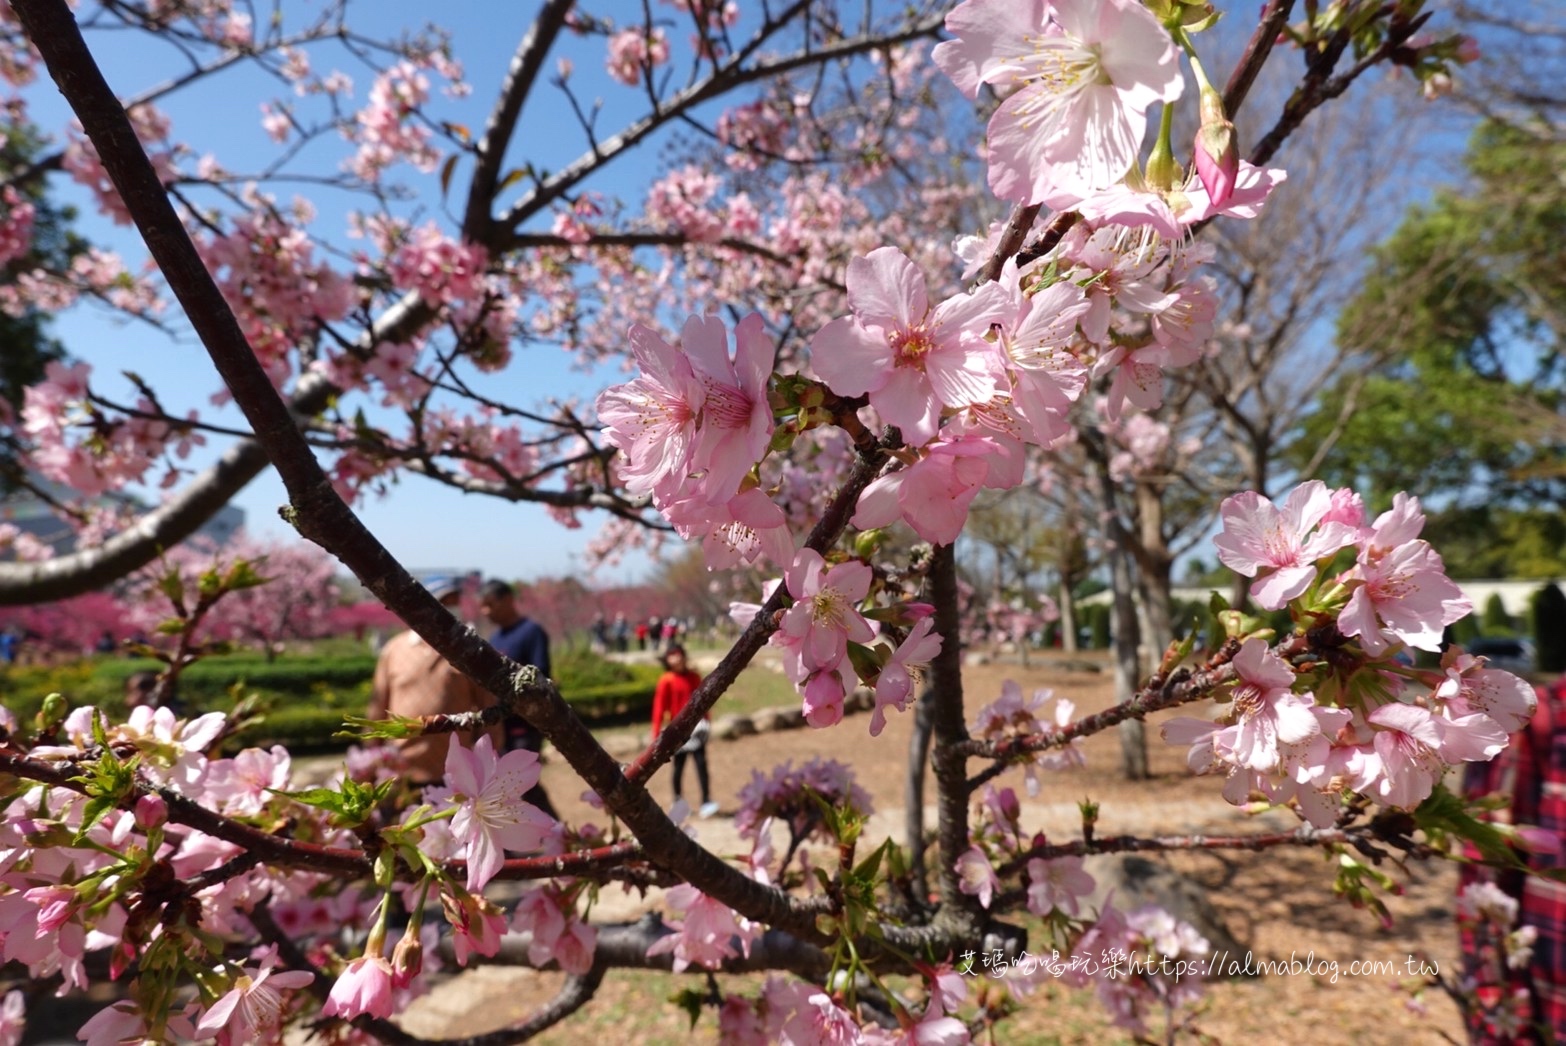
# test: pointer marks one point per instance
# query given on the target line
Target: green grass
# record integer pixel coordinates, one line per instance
(757, 687)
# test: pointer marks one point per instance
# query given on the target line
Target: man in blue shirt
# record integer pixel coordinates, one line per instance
(524, 641)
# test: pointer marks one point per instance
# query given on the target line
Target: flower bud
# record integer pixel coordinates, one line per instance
(151, 812)
(407, 958)
(1217, 158)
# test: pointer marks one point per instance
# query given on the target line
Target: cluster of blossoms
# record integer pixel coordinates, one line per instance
(1169, 972)
(795, 1013)
(1362, 720)
(1011, 715)
(632, 52)
(266, 266)
(784, 795)
(387, 129)
(107, 873)
(82, 162)
(16, 225)
(77, 444)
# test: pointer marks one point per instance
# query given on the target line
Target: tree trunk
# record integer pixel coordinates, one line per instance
(1068, 618)
(913, 790)
(1155, 567)
(1128, 672)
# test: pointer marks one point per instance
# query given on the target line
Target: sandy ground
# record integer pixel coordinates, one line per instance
(1279, 905)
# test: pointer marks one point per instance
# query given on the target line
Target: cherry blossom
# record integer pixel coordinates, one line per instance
(706, 933)
(910, 358)
(1267, 713)
(653, 418)
(633, 51)
(252, 1010)
(824, 618)
(491, 814)
(1400, 589)
(1080, 74)
(1057, 885)
(364, 987)
(1277, 547)
(1468, 687)
(895, 684)
(976, 875)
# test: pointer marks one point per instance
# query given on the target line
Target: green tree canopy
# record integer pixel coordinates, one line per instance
(1461, 320)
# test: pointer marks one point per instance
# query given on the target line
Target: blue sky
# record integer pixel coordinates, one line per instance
(426, 524)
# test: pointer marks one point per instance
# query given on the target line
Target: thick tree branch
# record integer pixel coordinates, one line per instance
(491, 149)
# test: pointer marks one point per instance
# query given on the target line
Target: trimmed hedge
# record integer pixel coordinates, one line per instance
(206, 683)
(307, 696)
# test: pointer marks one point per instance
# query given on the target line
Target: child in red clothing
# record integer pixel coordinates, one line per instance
(674, 691)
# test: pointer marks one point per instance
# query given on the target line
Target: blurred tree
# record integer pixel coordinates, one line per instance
(1466, 305)
(26, 347)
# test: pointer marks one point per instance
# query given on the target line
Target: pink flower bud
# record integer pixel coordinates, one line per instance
(151, 812)
(1534, 839)
(1217, 156)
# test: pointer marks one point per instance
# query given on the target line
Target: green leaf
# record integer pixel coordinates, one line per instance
(690, 1000)
(391, 729)
(446, 170)
(866, 870)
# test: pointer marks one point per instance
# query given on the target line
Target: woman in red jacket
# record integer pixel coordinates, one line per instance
(673, 694)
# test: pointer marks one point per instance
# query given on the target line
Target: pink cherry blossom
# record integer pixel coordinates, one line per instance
(736, 419)
(1405, 761)
(1400, 589)
(1057, 885)
(1276, 546)
(491, 816)
(910, 358)
(802, 1015)
(976, 876)
(1047, 378)
(896, 681)
(1081, 75)
(1468, 687)
(253, 1009)
(933, 494)
(707, 933)
(476, 924)
(653, 418)
(364, 986)
(824, 618)
(747, 527)
(1267, 712)
(120, 1024)
(633, 51)
(555, 934)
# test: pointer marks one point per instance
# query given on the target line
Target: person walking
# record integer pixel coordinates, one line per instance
(411, 679)
(673, 693)
(524, 641)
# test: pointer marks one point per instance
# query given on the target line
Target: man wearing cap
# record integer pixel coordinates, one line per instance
(524, 641)
(411, 679)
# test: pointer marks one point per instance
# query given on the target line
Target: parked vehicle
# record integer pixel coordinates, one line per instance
(1512, 655)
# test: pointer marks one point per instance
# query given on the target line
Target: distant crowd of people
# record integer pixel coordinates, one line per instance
(653, 633)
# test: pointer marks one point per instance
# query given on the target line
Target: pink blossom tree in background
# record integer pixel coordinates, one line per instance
(814, 372)
(296, 601)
